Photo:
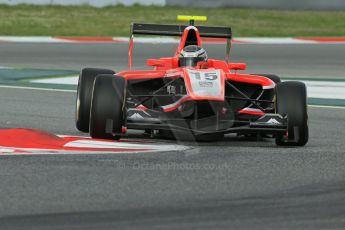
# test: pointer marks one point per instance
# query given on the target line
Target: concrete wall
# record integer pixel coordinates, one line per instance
(97, 3)
(265, 4)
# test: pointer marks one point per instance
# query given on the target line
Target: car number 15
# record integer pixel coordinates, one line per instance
(202, 76)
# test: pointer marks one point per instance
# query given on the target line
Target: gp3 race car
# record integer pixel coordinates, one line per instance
(190, 95)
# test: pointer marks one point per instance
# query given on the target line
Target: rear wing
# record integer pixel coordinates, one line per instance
(177, 30)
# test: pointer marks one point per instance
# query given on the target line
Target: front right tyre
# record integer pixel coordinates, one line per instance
(291, 101)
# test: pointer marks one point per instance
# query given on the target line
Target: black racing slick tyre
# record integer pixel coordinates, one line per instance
(84, 92)
(108, 108)
(274, 78)
(291, 101)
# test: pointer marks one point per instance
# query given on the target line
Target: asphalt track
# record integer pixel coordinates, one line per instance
(326, 60)
(232, 184)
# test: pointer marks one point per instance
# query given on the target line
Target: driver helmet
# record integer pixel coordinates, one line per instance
(191, 55)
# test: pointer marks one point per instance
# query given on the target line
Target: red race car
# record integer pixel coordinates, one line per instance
(190, 95)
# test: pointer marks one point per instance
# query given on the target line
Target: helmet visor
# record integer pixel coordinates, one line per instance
(190, 61)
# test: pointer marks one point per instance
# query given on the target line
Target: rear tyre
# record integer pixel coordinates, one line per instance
(291, 101)
(108, 111)
(83, 104)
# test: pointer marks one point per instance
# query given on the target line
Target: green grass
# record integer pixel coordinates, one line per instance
(115, 21)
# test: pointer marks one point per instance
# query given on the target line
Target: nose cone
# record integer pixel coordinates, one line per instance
(205, 84)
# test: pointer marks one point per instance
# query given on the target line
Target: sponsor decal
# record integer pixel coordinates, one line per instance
(136, 116)
(205, 84)
(138, 113)
(273, 121)
(171, 89)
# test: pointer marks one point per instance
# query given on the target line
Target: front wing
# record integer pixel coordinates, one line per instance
(269, 123)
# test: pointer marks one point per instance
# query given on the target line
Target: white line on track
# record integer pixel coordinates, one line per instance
(327, 106)
(36, 88)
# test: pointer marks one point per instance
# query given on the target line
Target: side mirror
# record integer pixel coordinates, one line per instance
(155, 63)
(237, 66)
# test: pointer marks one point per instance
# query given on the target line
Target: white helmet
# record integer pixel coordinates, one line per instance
(191, 55)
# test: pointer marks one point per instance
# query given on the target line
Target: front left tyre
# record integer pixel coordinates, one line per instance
(108, 107)
(85, 84)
